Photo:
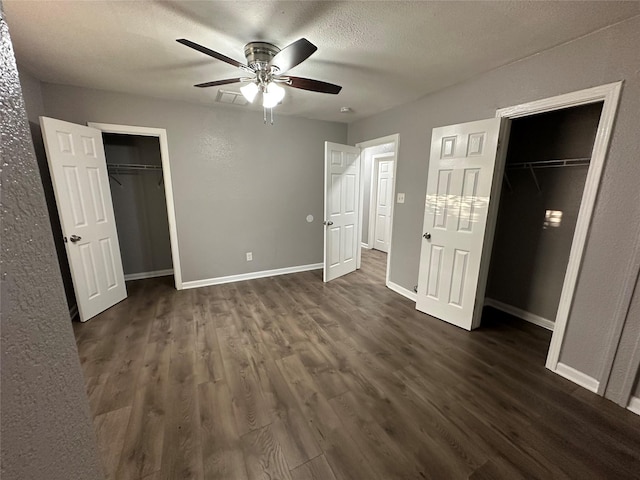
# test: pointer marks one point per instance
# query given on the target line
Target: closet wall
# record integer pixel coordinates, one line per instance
(139, 203)
(539, 208)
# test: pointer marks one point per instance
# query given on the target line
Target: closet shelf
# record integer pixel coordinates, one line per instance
(567, 162)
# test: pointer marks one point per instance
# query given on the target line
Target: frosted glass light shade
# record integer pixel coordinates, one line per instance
(273, 94)
(249, 91)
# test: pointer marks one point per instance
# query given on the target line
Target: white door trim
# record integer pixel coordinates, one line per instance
(610, 95)
(395, 139)
(161, 134)
(373, 194)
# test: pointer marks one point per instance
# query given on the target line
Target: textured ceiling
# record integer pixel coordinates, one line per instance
(383, 53)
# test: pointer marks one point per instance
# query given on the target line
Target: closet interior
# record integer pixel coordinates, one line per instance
(134, 164)
(545, 174)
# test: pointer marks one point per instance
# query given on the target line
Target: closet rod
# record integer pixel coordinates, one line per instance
(568, 162)
(132, 166)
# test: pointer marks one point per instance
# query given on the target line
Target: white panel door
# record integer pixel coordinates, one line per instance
(341, 204)
(384, 192)
(79, 172)
(459, 220)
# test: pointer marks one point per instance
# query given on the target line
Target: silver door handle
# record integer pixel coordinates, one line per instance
(75, 238)
(427, 236)
(329, 223)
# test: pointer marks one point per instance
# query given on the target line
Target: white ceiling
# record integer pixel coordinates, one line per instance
(383, 53)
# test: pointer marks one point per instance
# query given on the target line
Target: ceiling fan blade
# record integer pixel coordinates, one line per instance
(293, 54)
(211, 53)
(313, 85)
(218, 82)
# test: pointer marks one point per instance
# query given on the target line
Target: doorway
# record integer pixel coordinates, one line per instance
(452, 149)
(608, 95)
(548, 158)
(139, 204)
(142, 192)
(378, 179)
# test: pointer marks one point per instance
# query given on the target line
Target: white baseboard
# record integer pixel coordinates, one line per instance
(515, 311)
(578, 377)
(73, 311)
(143, 275)
(365, 245)
(634, 405)
(403, 291)
(250, 276)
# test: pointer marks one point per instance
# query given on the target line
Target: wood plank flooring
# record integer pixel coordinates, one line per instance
(291, 378)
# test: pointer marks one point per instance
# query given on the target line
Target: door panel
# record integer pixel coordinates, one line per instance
(342, 194)
(383, 200)
(459, 220)
(78, 170)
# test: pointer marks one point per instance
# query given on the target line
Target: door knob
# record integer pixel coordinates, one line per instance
(75, 238)
(427, 236)
(328, 223)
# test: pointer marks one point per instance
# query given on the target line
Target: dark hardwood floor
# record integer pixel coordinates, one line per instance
(290, 378)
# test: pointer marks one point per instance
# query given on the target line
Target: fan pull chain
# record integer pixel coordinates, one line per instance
(265, 115)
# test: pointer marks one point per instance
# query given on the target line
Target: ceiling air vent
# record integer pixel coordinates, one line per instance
(233, 98)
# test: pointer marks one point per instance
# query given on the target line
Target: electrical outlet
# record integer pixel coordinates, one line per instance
(249, 256)
(401, 198)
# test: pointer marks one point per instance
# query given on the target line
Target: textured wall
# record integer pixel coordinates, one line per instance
(608, 55)
(623, 367)
(32, 94)
(46, 427)
(239, 185)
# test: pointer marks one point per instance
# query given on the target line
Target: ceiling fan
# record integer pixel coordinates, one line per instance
(266, 70)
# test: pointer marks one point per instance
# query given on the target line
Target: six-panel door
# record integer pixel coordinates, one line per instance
(384, 192)
(459, 189)
(78, 170)
(342, 196)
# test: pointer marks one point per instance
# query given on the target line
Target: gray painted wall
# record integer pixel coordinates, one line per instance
(629, 344)
(530, 257)
(631, 332)
(609, 55)
(139, 204)
(32, 93)
(367, 156)
(45, 426)
(239, 185)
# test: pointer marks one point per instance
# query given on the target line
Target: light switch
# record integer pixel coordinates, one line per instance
(401, 198)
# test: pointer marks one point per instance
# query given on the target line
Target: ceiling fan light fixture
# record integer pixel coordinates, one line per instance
(273, 94)
(249, 91)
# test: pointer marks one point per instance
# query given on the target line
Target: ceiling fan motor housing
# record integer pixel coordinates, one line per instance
(260, 54)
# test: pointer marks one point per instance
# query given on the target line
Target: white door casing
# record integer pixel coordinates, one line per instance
(75, 154)
(383, 201)
(341, 205)
(459, 220)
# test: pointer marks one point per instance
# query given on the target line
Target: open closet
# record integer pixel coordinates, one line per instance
(139, 203)
(545, 174)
